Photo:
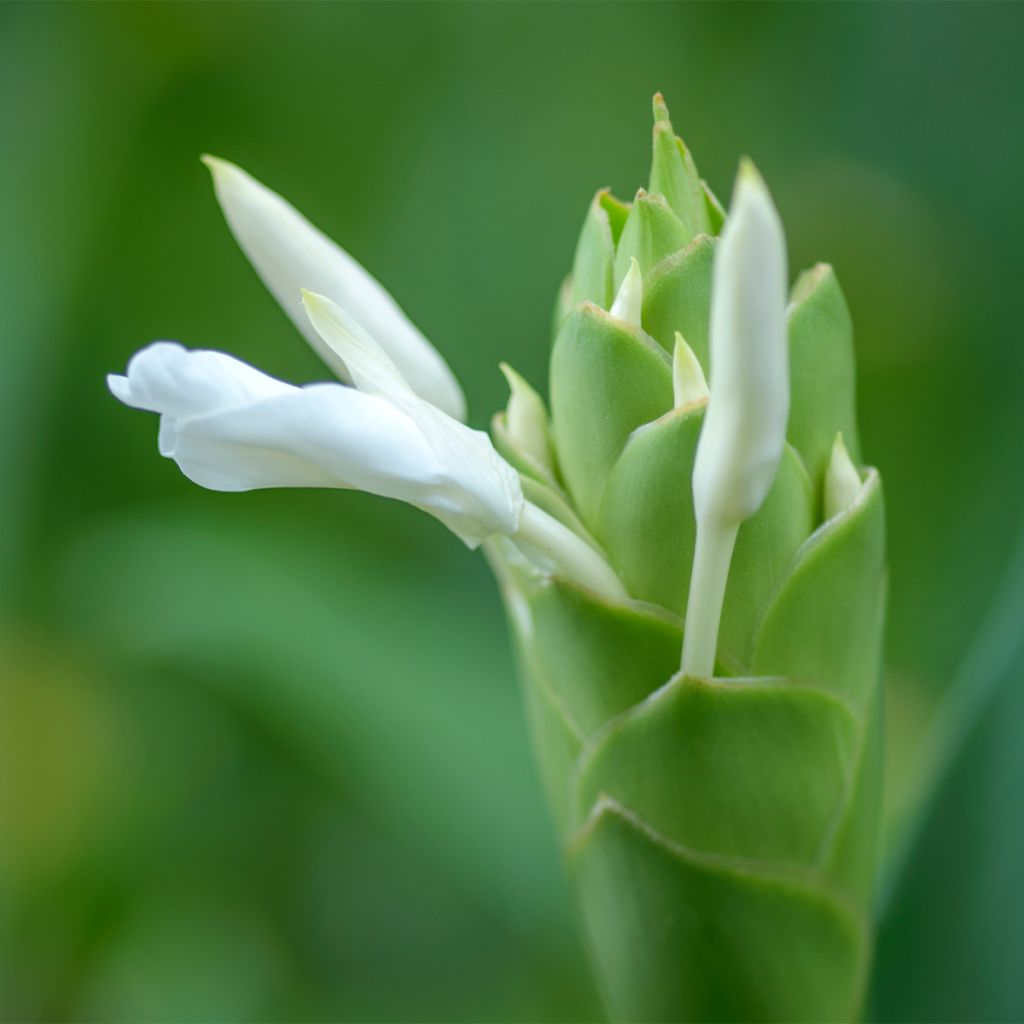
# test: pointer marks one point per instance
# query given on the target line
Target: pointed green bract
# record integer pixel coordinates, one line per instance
(716, 767)
(606, 380)
(685, 938)
(595, 256)
(821, 370)
(765, 546)
(677, 297)
(652, 232)
(617, 211)
(715, 210)
(522, 433)
(599, 659)
(674, 175)
(824, 623)
(646, 520)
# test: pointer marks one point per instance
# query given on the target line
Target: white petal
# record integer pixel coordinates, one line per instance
(745, 424)
(483, 488)
(165, 377)
(231, 428)
(369, 366)
(289, 253)
(324, 435)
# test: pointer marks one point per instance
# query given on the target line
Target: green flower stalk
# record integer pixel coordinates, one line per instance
(691, 555)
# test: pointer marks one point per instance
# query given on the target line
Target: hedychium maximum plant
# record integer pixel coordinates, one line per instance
(689, 550)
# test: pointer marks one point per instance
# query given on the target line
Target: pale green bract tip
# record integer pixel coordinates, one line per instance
(689, 386)
(630, 297)
(526, 419)
(842, 481)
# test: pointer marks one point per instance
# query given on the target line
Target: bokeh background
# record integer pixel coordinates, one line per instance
(262, 756)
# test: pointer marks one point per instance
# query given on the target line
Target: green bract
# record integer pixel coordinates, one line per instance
(721, 831)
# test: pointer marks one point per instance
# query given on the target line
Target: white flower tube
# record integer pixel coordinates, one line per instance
(745, 424)
(289, 253)
(231, 428)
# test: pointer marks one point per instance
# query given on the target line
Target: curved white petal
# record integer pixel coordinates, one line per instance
(476, 469)
(289, 253)
(166, 377)
(745, 423)
(339, 436)
(231, 428)
(369, 366)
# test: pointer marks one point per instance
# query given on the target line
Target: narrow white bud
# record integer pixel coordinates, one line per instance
(745, 424)
(526, 419)
(689, 385)
(289, 253)
(630, 297)
(842, 481)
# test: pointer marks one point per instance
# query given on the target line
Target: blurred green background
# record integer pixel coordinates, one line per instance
(262, 756)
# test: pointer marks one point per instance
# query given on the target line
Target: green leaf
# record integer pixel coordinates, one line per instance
(821, 371)
(652, 232)
(705, 939)
(824, 623)
(674, 175)
(748, 768)
(677, 297)
(606, 380)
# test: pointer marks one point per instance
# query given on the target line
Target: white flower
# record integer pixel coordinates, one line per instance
(289, 253)
(232, 428)
(744, 428)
